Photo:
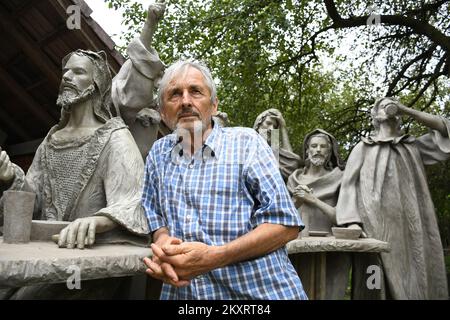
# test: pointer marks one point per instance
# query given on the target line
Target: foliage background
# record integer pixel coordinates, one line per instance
(286, 55)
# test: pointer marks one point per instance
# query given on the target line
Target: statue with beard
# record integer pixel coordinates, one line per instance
(271, 125)
(88, 170)
(384, 187)
(315, 191)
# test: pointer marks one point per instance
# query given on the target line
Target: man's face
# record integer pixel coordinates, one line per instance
(77, 81)
(187, 101)
(318, 151)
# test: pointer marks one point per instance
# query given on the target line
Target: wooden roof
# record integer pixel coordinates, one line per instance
(35, 38)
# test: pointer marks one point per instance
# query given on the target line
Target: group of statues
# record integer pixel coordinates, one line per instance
(383, 190)
(88, 170)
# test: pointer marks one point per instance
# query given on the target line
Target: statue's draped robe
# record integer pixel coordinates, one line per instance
(288, 162)
(108, 183)
(384, 187)
(325, 188)
(132, 92)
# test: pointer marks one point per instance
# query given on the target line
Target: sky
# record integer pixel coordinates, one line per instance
(109, 19)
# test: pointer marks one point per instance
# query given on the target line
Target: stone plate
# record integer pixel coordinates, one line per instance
(318, 233)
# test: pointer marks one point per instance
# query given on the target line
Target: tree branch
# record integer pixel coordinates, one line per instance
(419, 27)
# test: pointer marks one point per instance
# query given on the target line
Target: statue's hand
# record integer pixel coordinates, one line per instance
(148, 116)
(304, 195)
(6, 167)
(156, 10)
(82, 231)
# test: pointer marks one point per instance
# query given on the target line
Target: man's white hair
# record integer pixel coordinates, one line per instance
(179, 67)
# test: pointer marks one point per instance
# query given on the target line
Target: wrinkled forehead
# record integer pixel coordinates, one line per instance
(187, 75)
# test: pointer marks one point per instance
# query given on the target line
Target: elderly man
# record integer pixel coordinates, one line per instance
(271, 125)
(215, 201)
(384, 187)
(315, 191)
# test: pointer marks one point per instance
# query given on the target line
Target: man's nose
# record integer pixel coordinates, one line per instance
(186, 98)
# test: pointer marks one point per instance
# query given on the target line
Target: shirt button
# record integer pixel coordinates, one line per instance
(191, 166)
(188, 217)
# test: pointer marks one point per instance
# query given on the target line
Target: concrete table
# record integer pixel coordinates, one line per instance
(309, 257)
(43, 262)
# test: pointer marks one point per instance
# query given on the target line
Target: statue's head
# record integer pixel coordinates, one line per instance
(268, 120)
(320, 149)
(379, 113)
(221, 118)
(85, 76)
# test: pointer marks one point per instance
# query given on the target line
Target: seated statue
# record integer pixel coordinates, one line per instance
(315, 191)
(88, 169)
(268, 124)
(384, 187)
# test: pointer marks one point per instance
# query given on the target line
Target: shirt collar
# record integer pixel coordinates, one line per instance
(212, 143)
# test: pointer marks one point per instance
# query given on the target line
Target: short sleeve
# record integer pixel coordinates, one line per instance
(265, 184)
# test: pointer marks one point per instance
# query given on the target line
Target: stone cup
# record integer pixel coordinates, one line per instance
(18, 213)
(391, 110)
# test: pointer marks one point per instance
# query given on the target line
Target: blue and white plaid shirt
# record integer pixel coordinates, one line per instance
(228, 188)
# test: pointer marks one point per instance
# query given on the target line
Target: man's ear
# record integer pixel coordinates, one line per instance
(215, 104)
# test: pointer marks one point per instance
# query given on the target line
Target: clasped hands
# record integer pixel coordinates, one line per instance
(176, 262)
(304, 194)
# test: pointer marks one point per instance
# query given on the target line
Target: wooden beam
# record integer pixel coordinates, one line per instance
(13, 126)
(20, 149)
(24, 98)
(3, 136)
(19, 11)
(31, 49)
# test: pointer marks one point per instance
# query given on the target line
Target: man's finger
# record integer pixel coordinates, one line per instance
(172, 250)
(157, 250)
(169, 271)
(174, 240)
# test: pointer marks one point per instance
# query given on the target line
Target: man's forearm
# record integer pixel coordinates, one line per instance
(260, 241)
